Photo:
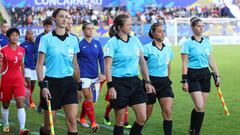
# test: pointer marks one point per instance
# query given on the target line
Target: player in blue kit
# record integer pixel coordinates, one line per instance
(123, 55)
(3, 37)
(30, 64)
(196, 60)
(158, 57)
(90, 56)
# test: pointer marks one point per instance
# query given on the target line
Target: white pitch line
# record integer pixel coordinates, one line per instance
(62, 115)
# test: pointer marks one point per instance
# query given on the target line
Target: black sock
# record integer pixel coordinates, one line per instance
(107, 118)
(118, 130)
(41, 132)
(136, 129)
(167, 127)
(72, 133)
(193, 119)
(199, 121)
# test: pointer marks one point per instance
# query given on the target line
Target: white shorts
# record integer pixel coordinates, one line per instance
(94, 85)
(30, 73)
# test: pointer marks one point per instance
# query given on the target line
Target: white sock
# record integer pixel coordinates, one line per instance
(5, 115)
(22, 117)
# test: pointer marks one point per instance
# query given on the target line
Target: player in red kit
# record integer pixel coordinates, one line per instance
(12, 84)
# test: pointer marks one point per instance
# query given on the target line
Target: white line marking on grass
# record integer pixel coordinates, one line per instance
(110, 128)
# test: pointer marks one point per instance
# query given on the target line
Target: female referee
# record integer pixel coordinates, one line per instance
(89, 58)
(58, 51)
(158, 57)
(196, 58)
(123, 55)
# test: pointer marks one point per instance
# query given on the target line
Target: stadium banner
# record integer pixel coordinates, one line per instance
(133, 6)
(105, 3)
(58, 3)
(224, 40)
(36, 30)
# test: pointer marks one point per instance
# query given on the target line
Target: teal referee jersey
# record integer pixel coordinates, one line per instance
(125, 55)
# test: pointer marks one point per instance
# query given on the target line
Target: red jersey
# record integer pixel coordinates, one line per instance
(11, 65)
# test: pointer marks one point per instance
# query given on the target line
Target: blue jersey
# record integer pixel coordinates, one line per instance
(198, 52)
(125, 55)
(58, 54)
(3, 40)
(91, 54)
(37, 41)
(30, 53)
(157, 60)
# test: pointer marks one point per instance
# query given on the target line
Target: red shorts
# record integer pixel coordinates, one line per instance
(107, 98)
(8, 91)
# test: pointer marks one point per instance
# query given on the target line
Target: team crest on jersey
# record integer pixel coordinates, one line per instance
(95, 45)
(20, 53)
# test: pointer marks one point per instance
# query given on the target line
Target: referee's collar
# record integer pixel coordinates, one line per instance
(193, 38)
(119, 38)
(61, 37)
(154, 44)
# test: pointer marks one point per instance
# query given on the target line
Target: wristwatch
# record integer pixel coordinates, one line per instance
(148, 82)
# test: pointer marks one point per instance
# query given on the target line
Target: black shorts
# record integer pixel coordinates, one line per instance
(199, 80)
(163, 89)
(63, 92)
(129, 92)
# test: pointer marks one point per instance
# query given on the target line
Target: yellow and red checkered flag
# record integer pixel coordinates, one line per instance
(50, 118)
(223, 102)
(217, 84)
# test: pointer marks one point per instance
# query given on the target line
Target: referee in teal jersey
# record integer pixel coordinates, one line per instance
(123, 55)
(196, 58)
(158, 57)
(58, 51)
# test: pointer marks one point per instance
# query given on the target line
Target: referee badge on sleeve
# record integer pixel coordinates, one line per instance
(138, 52)
(107, 50)
(70, 51)
(207, 51)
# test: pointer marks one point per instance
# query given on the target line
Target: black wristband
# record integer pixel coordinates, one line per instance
(184, 78)
(42, 84)
(79, 86)
(110, 85)
(183, 81)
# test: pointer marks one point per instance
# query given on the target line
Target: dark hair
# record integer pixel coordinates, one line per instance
(3, 21)
(56, 11)
(153, 29)
(47, 21)
(194, 21)
(118, 21)
(84, 25)
(112, 31)
(11, 30)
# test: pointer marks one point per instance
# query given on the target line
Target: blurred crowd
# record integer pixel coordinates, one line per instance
(33, 16)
